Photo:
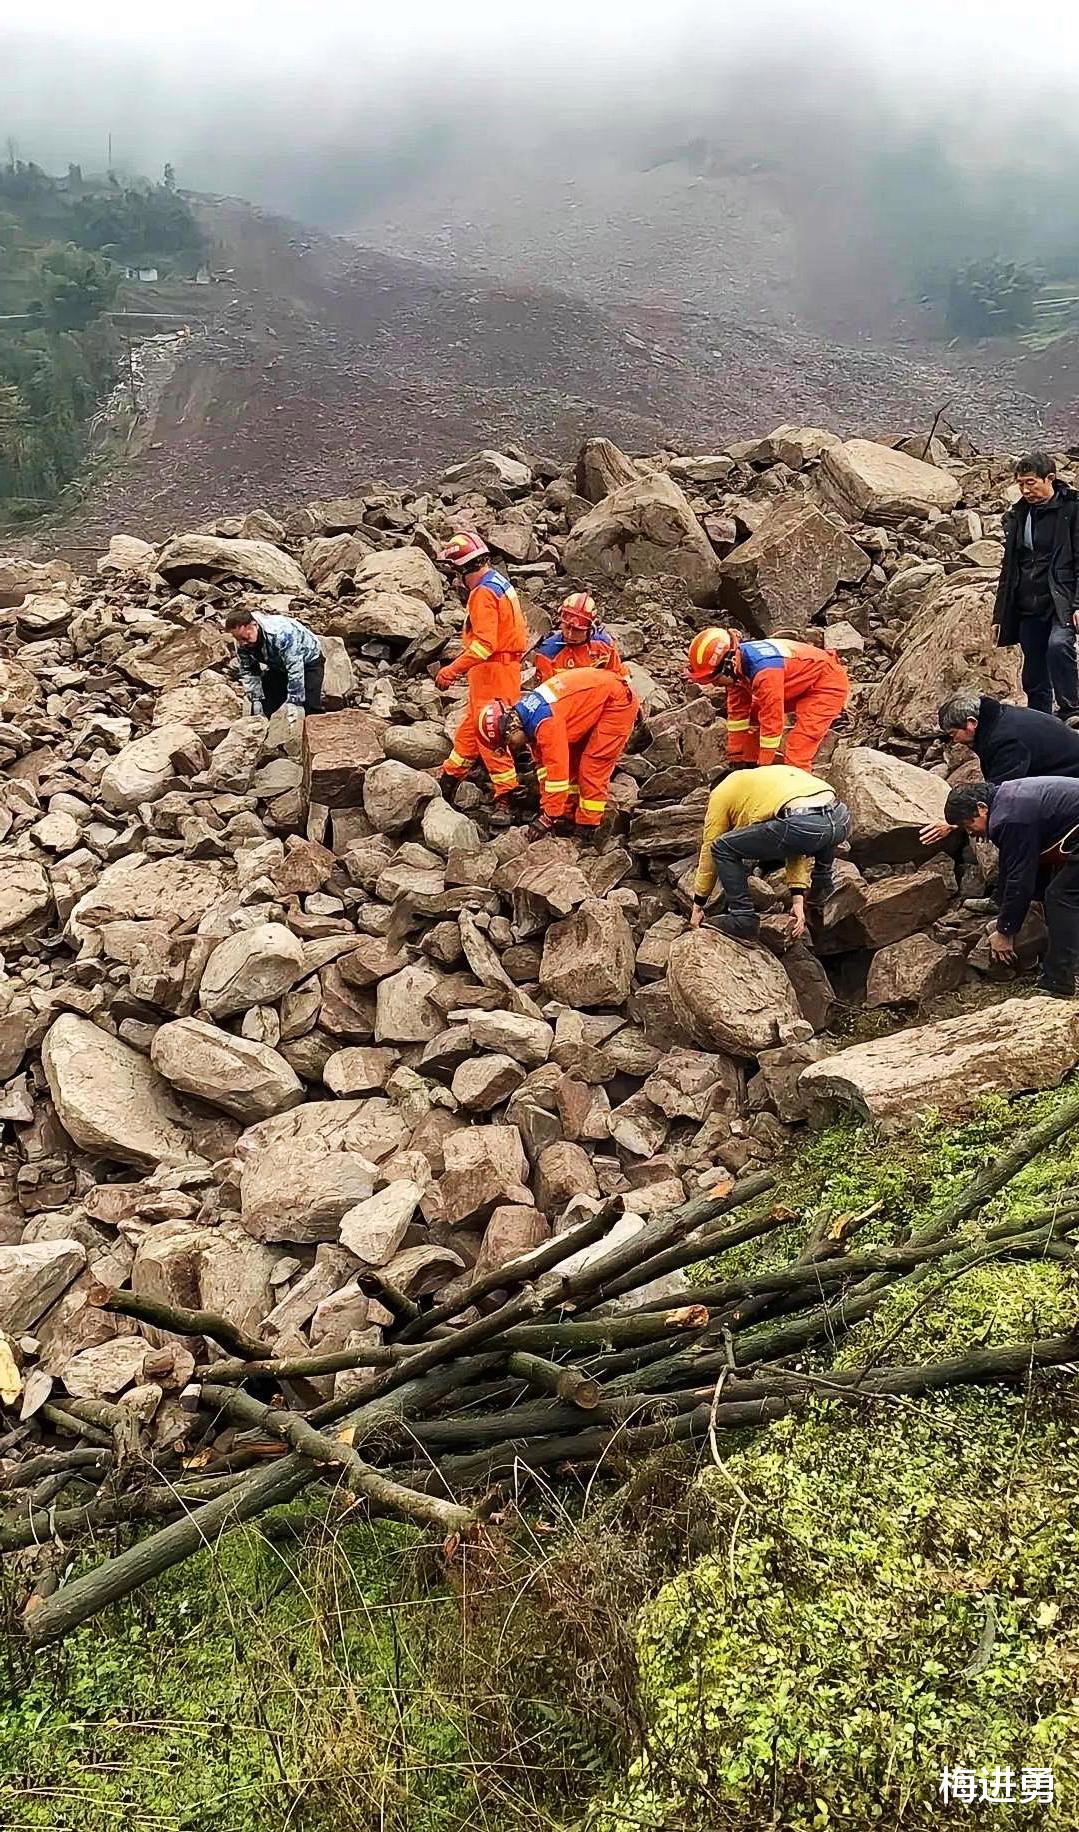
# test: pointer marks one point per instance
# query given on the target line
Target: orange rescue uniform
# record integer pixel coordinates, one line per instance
(772, 680)
(577, 725)
(495, 638)
(554, 654)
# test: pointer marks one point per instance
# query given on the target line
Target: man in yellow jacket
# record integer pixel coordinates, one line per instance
(769, 815)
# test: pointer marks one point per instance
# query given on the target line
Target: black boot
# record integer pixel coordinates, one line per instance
(739, 928)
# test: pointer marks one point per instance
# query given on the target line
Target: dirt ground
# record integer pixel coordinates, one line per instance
(316, 366)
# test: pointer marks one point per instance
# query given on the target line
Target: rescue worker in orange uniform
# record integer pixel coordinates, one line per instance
(577, 726)
(765, 682)
(580, 641)
(494, 638)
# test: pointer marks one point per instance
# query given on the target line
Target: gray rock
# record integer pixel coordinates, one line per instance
(244, 1078)
(109, 1099)
(32, 1276)
(252, 968)
(374, 1229)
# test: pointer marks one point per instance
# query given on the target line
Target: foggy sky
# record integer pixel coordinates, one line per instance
(294, 105)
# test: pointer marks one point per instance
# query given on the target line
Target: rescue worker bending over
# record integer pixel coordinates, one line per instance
(280, 662)
(580, 641)
(765, 681)
(494, 638)
(763, 817)
(577, 726)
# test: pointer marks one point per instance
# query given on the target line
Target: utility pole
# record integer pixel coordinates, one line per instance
(132, 390)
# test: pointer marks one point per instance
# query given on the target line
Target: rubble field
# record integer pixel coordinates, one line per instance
(288, 1040)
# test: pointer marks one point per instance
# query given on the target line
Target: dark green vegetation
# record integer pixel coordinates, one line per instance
(64, 245)
(803, 1638)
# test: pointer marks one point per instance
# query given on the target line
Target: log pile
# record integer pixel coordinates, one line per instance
(567, 1360)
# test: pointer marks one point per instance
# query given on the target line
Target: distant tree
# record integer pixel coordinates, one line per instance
(76, 286)
(169, 177)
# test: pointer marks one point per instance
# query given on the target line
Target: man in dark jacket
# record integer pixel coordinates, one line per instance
(1034, 824)
(1038, 596)
(1008, 741)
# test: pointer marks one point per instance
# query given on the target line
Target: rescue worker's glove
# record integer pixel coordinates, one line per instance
(444, 679)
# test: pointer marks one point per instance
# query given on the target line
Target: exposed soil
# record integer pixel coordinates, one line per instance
(319, 366)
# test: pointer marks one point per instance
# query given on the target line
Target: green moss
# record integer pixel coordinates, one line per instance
(874, 1596)
(257, 1688)
(896, 1593)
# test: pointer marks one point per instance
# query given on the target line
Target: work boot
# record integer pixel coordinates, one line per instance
(588, 837)
(739, 928)
(1052, 989)
(508, 811)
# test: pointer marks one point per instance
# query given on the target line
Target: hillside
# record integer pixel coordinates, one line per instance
(474, 1349)
(318, 365)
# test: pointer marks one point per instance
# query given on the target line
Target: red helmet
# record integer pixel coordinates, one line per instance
(465, 550)
(708, 651)
(491, 723)
(578, 612)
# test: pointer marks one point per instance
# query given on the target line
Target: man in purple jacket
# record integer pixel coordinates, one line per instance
(1034, 824)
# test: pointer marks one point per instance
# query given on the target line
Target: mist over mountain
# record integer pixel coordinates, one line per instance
(920, 134)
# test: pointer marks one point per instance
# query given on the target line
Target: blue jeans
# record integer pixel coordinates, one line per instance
(808, 833)
(1049, 665)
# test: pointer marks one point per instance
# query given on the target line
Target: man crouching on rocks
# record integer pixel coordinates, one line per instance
(765, 816)
(1034, 824)
(280, 661)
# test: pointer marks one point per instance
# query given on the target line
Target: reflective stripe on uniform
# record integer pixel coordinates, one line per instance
(556, 788)
(592, 807)
(547, 693)
(479, 650)
(771, 744)
(503, 776)
(738, 725)
(541, 774)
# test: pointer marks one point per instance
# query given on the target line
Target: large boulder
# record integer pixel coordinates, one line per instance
(889, 801)
(209, 706)
(794, 446)
(489, 470)
(641, 531)
(139, 889)
(149, 766)
(588, 958)
(602, 467)
(25, 896)
(393, 795)
(390, 616)
(484, 1166)
(789, 569)
(948, 644)
(208, 556)
(109, 1098)
(948, 1067)
(868, 482)
(254, 967)
(302, 1171)
(405, 570)
(375, 1229)
(910, 971)
(247, 1079)
(174, 657)
(32, 1276)
(404, 1012)
(338, 749)
(864, 915)
(729, 997)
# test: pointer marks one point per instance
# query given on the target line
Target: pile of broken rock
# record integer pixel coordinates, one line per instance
(275, 1018)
